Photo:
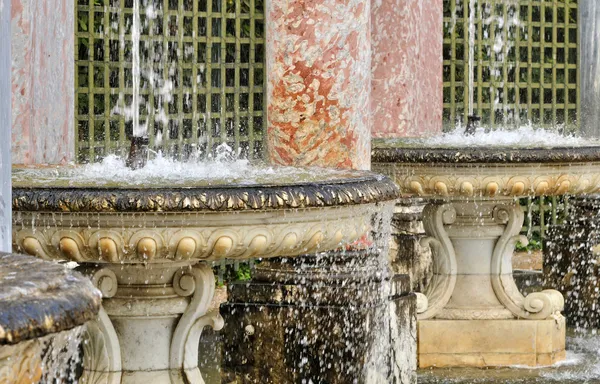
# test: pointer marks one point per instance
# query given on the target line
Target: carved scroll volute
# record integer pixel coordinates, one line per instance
(198, 282)
(441, 286)
(102, 349)
(536, 306)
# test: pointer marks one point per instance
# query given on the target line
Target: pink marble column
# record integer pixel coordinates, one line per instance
(319, 62)
(42, 81)
(406, 98)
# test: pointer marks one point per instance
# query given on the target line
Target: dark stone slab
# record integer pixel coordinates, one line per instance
(38, 298)
(356, 188)
(411, 151)
(528, 281)
(333, 318)
(325, 343)
(571, 262)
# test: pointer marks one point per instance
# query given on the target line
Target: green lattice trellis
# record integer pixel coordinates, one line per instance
(532, 78)
(211, 50)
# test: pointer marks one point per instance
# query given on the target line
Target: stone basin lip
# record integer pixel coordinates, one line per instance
(38, 298)
(382, 153)
(356, 188)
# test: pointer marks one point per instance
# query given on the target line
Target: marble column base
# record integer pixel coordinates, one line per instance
(490, 343)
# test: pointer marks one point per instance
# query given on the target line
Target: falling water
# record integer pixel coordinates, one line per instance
(472, 7)
(138, 130)
(5, 124)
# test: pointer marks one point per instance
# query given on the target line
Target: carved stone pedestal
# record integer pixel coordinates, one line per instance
(145, 246)
(472, 313)
(335, 318)
(151, 322)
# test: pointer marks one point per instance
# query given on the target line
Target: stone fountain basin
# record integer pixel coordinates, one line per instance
(42, 306)
(279, 214)
(489, 172)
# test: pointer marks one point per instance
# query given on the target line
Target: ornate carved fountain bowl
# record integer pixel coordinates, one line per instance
(490, 172)
(284, 213)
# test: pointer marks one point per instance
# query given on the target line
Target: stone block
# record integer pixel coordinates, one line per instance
(292, 330)
(490, 343)
(571, 255)
(406, 253)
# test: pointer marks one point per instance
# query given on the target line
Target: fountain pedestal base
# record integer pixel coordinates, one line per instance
(472, 313)
(490, 343)
(151, 322)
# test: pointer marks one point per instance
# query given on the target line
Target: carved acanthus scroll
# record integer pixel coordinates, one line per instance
(102, 350)
(198, 281)
(535, 306)
(440, 289)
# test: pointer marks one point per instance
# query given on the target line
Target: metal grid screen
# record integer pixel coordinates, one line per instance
(525, 63)
(202, 83)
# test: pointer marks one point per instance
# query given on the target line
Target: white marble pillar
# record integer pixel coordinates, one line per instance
(5, 101)
(589, 37)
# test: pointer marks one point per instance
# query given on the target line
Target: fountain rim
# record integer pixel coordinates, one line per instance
(363, 188)
(382, 153)
(61, 300)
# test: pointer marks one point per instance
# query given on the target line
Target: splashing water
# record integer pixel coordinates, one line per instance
(471, 54)
(135, 69)
(524, 137)
(582, 366)
(161, 172)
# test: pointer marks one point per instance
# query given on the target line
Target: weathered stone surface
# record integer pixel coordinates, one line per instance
(407, 254)
(406, 88)
(571, 254)
(349, 188)
(42, 81)
(489, 343)
(38, 298)
(319, 60)
(48, 359)
(412, 151)
(289, 327)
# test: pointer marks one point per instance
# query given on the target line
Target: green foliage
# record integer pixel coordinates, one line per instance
(232, 272)
(534, 245)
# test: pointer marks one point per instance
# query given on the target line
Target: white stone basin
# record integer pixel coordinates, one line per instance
(58, 214)
(488, 171)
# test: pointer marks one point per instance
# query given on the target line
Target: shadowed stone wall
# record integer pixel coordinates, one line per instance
(571, 262)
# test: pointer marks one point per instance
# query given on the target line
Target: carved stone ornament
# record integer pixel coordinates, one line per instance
(493, 179)
(353, 188)
(152, 237)
(477, 283)
(144, 250)
(473, 223)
